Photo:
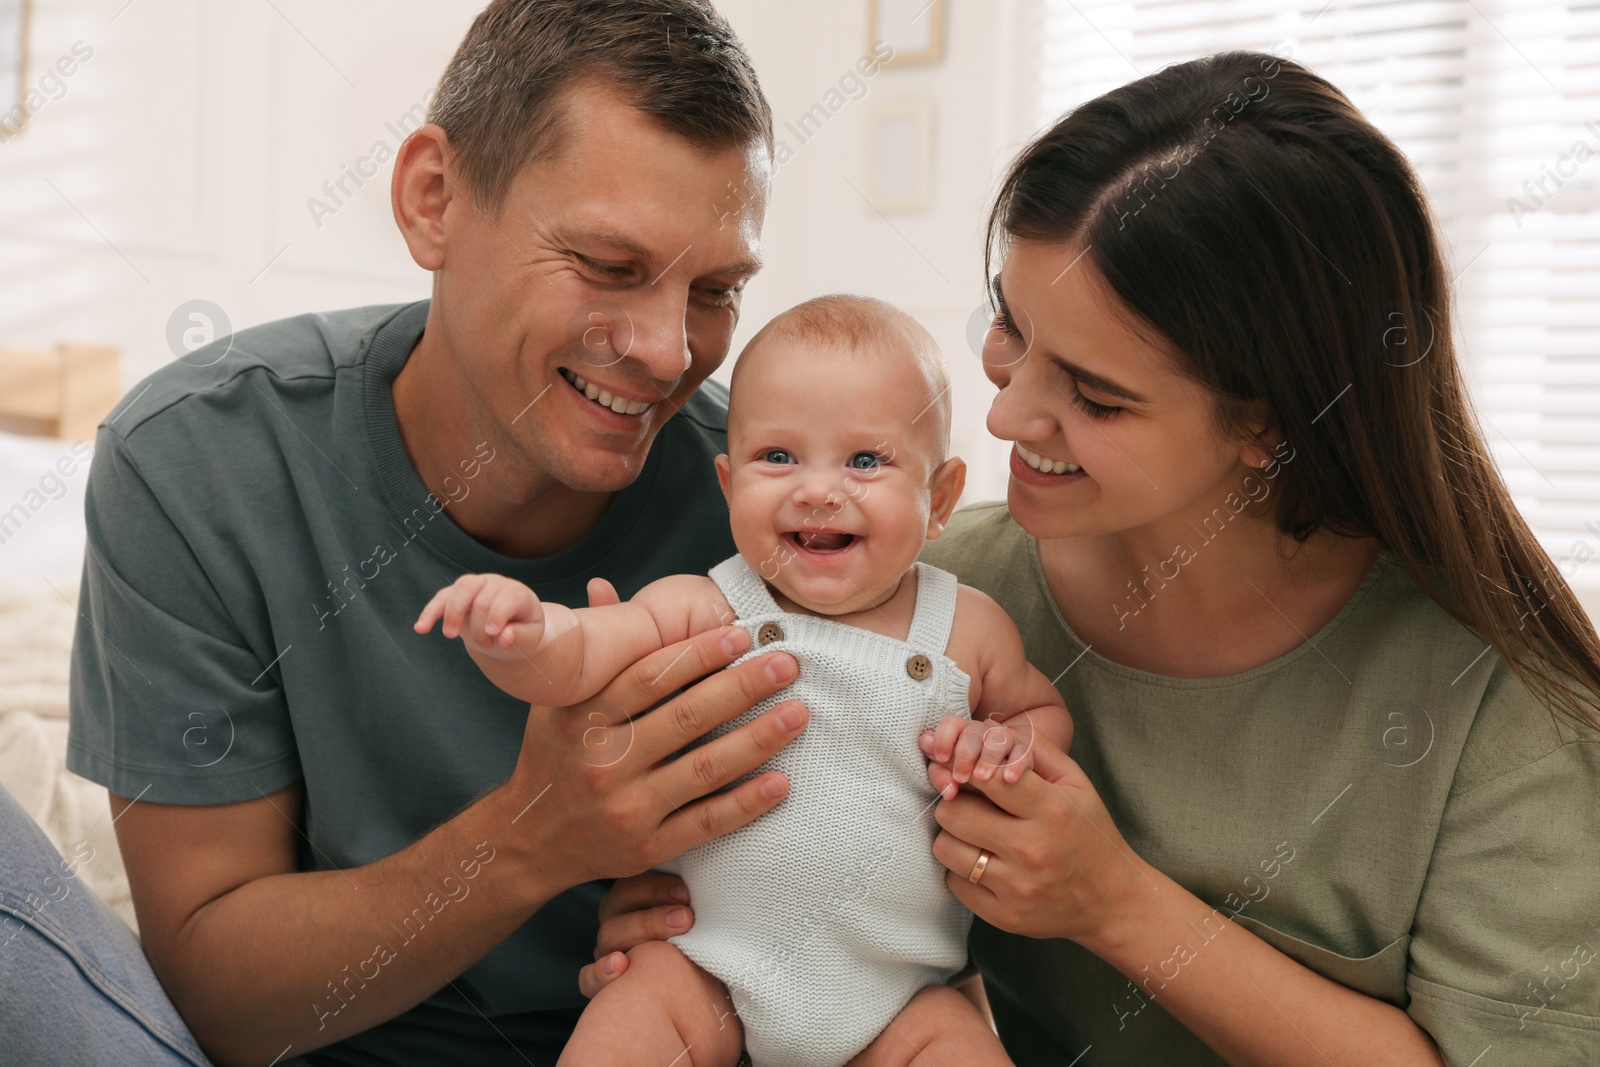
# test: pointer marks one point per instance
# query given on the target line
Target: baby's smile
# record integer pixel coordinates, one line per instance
(821, 542)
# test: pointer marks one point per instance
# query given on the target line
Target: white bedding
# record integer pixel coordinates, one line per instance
(41, 508)
(41, 554)
(36, 622)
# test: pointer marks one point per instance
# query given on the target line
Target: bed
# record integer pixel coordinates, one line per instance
(41, 554)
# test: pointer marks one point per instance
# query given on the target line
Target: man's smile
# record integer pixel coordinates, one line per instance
(605, 398)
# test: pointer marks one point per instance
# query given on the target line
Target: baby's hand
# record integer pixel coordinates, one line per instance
(975, 748)
(493, 614)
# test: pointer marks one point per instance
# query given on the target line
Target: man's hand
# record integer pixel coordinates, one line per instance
(597, 792)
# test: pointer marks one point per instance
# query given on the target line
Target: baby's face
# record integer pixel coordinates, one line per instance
(832, 479)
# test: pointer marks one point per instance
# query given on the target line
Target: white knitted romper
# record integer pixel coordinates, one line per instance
(824, 916)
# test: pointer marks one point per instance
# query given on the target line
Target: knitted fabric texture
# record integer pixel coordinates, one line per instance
(827, 914)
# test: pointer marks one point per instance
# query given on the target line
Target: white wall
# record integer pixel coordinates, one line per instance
(178, 163)
(173, 163)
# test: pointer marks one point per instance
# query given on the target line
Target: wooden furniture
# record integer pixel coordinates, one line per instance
(60, 392)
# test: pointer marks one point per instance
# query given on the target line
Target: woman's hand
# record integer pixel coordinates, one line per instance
(1058, 866)
(652, 906)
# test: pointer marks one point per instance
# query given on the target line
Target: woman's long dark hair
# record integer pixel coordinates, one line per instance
(1245, 211)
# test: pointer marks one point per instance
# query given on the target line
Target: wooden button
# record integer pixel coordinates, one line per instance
(919, 667)
(769, 632)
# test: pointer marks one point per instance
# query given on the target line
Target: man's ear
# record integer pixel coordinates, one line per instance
(724, 473)
(948, 482)
(420, 191)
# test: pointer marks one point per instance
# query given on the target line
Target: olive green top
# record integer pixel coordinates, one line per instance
(1385, 803)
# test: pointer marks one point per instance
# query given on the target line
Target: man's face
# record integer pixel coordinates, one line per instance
(603, 293)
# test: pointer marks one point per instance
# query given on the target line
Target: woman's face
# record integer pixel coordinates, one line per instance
(1123, 439)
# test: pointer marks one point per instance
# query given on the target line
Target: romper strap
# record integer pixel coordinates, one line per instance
(935, 610)
(747, 594)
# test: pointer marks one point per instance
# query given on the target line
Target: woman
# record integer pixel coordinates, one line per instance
(1333, 789)
(1267, 595)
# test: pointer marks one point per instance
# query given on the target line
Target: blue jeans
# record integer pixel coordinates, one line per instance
(75, 988)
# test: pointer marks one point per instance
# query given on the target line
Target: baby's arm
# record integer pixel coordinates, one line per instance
(1015, 701)
(553, 655)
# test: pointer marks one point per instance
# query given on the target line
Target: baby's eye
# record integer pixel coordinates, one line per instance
(865, 461)
(776, 455)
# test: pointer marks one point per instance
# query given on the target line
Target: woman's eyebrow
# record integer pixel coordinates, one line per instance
(1093, 381)
(1099, 384)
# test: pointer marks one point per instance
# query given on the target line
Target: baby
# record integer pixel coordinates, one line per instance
(824, 929)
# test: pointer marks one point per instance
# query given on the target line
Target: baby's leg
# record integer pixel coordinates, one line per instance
(660, 1007)
(938, 1026)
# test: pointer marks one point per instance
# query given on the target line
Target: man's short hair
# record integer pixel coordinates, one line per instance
(678, 61)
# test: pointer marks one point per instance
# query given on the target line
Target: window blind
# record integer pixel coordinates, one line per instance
(1497, 104)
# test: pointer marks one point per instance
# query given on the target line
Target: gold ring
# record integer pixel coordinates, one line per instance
(984, 856)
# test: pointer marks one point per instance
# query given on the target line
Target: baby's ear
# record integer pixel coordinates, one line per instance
(947, 483)
(724, 473)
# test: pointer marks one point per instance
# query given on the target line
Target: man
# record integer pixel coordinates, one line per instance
(342, 841)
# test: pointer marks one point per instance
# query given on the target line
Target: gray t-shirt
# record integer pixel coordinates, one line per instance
(259, 545)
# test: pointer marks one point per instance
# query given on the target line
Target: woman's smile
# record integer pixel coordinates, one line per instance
(1031, 468)
(1045, 464)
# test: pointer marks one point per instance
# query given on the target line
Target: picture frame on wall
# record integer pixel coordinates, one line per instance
(900, 156)
(914, 29)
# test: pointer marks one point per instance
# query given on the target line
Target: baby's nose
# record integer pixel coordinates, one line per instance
(820, 492)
